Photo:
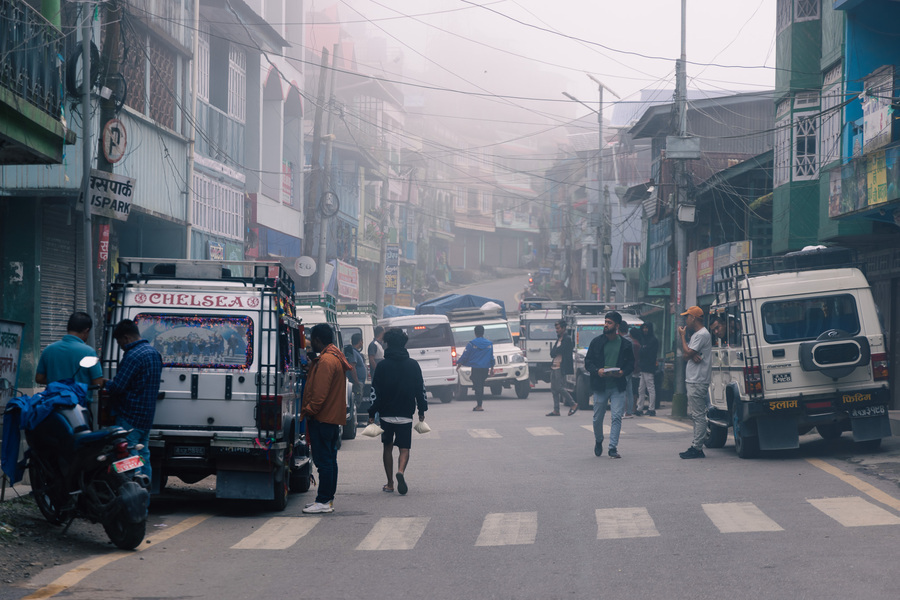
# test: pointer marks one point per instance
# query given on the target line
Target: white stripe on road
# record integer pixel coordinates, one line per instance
(605, 429)
(278, 533)
(619, 523)
(539, 431)
(484, 433)
(391, 533)
(660, 427)
(854, 512)
(739, 517)
(508, 529)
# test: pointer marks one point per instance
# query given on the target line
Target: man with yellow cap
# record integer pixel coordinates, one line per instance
(697, 374)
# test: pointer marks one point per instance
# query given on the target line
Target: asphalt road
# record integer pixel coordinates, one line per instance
(509, 503)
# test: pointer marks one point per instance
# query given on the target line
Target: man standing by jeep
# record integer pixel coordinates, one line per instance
(697, 374)
(325, 410)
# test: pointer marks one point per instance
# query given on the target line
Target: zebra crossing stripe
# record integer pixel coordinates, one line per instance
(394, 533)
(606, 429)
(541, 431)
(620, 523)
(508, 529)
(660, 427)
(739, 517)
(278, 533)
(853, 511)
(484, 433)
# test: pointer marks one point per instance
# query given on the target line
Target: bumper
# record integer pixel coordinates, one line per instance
(505, 375)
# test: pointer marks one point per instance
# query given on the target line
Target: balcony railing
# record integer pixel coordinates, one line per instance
(30, 46)
(219, 136)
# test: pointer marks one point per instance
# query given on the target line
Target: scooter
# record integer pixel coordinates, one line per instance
(77, 472)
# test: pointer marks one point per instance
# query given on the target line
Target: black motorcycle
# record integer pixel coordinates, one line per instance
(77, 472)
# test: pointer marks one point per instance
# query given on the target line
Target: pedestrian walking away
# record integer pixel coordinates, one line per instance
(398, 390)
(325, 410)
(355, 358)
(648, 362)
(60, 359)
(625, 333)
(562, 365)
(697, 374)
(610, 361)
(479, 355)
(134, 390)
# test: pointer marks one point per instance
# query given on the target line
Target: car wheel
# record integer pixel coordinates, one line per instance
(496, 389)
(745, 446)
(280, 484)
(523, 388)
(716, 436)
(349, 431)
(461, 392)
(829, 431)
(583, 394)
(445, 395)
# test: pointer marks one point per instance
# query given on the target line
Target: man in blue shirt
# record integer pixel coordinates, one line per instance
(60, 359)
(135, 388)
(479, 355)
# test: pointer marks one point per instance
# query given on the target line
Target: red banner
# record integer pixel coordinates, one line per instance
(103, 247)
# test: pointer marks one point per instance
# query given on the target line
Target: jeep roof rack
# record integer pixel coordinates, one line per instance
(803, 260)
(363, 307)
(323, 299)
(474, 314)
(266, 273)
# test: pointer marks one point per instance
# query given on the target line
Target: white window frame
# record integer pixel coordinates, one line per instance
(203, 64)
(805, 165)
(461, 200)
(218, 208)
(237, 83)
(832, 117)
(782, 152)
(807, 10)
(486, 200)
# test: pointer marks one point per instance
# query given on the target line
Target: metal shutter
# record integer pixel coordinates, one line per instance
(62, 289)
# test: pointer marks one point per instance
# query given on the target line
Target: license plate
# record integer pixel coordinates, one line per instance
(868, 411)
(128, 464)
(781, 377)
(190, 451)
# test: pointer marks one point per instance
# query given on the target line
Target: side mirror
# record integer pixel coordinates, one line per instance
(88, 361)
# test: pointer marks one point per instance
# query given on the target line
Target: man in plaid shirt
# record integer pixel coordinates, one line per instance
(135, 388)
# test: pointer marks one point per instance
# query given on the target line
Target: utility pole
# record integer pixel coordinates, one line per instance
(325, 180)
(312, 196)
(87, 155)
(681, 150)
(604, 226)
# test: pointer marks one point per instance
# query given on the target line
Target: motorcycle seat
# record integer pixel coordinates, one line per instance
(88, 437)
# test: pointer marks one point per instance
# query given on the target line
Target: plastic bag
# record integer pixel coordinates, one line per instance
(422, 427)
(372, 430)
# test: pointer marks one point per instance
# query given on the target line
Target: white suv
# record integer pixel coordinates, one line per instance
(431, 345)
(802, 347)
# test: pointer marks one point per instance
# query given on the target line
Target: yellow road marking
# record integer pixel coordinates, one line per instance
(73, 577)
(866, 488)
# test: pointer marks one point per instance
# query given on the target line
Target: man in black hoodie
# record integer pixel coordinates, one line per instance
(397, 390)
(648, 361)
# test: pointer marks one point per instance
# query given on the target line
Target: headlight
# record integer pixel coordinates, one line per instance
(517, 358)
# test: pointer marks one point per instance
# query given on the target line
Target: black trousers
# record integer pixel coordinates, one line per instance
(478, 377)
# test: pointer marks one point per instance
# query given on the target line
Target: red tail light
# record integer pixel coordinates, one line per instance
(753, 380)
(122, 450)
(453, 354)
(880, 366)
(268, 416)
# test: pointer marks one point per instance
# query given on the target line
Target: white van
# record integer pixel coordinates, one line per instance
(537, 319)
(803, 347)
(431, 345)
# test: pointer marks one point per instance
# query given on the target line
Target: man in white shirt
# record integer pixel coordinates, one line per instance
(697, 374)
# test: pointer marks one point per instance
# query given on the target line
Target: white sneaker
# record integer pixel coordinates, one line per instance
(317, 508)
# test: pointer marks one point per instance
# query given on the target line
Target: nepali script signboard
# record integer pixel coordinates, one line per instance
(110, 194)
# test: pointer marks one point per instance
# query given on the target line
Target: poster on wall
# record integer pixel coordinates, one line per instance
(391, 268)
(10, 355)
(347, 281)
(705, 263)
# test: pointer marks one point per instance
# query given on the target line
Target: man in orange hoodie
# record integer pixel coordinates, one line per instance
(325, 409)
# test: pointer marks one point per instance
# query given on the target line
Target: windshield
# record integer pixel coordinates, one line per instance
(497, 333)
(584, 334)
(199, 341)
(434, 335)
(542, 330)
(808, 318)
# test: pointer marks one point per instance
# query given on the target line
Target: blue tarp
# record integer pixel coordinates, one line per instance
(397, 311)
(444, 304)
